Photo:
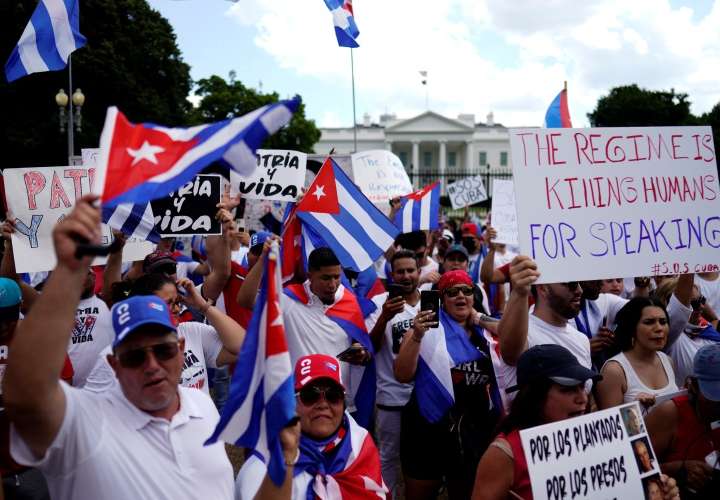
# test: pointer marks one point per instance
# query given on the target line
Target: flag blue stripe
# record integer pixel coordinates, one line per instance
(134, 218)
(344, 256)
(458, 345)
(433, 399)
(435, 208)
(365, 396)
(344, 39)
(377, 216)
(416, 214)
(45, 38)
(279, 409)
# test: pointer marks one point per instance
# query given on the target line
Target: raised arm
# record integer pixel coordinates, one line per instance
(113, 268)
(34, 400)
(406, 361)
(219, 255)
(679, 309)
(248, 291)
(513, 327)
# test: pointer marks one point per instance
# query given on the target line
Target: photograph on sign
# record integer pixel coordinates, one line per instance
(381, 176)
(605, 454)
(38, 198)
(502, 213)
(607, 202)
(191, 209)
(279, 176)
(466, 192)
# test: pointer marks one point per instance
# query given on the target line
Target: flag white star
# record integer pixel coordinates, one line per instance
(146, 152)
(319, 192)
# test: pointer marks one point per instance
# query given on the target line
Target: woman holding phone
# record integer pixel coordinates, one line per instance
(455, 405)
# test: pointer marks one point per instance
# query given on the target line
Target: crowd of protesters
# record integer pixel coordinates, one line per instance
(108, 372)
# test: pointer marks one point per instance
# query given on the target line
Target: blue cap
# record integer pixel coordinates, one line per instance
(259, 238)
(706, 369)
(9, 293)
(137, 311)
(457, 249)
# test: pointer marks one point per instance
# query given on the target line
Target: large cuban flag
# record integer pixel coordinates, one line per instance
(262, 398)
(142, 162)
(52, 34)
(346, 31)
(419, 210)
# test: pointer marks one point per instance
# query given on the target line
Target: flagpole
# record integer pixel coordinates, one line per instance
(352, 76)
(71, 119)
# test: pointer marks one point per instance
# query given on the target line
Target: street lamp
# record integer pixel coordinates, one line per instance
(70, 120)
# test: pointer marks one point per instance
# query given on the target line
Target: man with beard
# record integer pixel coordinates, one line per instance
(387, 327)
(555, 304)
(596, 316)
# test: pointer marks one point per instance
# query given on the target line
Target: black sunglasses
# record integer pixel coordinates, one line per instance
(571, 285)
(467, 291)
(135, 358)
(311, 395)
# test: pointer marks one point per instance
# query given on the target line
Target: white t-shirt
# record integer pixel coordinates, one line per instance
(683, 353)
(390, 392)
(635, 386)
(594, 312)
(540, 332)
(711, 291)
(108, 448)
(202, 347)
(92, 332)
(505, 375)
(429, 267)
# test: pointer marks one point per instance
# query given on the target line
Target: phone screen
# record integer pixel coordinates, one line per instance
(395, 290)
(430, 301)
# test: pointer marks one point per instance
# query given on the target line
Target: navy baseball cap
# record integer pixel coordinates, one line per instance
(457, 249)
(259, 238)
(553, 362)
(706, 369)
(132, 313)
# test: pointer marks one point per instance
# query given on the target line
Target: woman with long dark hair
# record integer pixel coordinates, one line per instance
(640, 371)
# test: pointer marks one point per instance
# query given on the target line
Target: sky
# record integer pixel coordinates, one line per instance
(506, 57)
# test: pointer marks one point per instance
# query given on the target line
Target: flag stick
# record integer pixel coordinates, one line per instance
(71, 119)
(352, 76)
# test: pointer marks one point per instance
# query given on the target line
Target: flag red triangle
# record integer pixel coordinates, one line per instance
(322, 196)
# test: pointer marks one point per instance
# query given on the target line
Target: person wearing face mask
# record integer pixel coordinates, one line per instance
(641, 371)
(551, 388)
(334, 457)
(455, 403)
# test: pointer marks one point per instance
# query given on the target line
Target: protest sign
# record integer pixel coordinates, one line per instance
(279, 176)
(191, 209)
(380, 176)
(600, 203)
(606, 454)
(504, 217)
(40, 197)
(466, 192)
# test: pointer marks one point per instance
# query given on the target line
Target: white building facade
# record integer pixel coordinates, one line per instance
(429, 145)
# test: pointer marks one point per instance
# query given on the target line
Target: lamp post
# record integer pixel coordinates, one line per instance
(70, 120)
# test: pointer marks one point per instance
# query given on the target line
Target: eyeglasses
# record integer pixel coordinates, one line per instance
(311, 395)
(135, 358)
(467, 291)
(571, 285)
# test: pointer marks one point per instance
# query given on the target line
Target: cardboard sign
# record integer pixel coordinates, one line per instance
(597, 203)
(466, 192)
(504, 217)
(191, 209)
(381, 176)
(279, 176)
(605, 454)
(40, 197)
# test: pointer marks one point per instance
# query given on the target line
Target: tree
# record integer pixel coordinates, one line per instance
(131, 61)
(631, 106)
(713, 119)
(221, 99)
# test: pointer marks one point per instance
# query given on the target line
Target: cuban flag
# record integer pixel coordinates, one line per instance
(442, 349)
(346, 30)
(134, 220)
(262, 396)
(336, 209)
(558, 114)
(142, 162)
(52, 34)
(419, 210)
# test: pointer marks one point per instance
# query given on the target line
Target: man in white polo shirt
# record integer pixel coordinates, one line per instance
(143, 439)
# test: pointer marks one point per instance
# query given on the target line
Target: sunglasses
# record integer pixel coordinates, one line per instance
(571, 285)
(135, 358)
(467, 291)
(311, 395)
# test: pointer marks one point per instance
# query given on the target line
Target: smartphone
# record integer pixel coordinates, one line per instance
(240, 224)
(349, 352)
(395, 290)
(430, 301)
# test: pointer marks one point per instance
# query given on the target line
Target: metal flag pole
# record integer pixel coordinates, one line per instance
(71, 124)
(352, 76)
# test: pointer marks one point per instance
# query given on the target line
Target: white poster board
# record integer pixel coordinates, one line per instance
(466, 192)
(504, 217)
(381, 176)
(605, 454)
(279, 176)
(38, 198)
(607, 202)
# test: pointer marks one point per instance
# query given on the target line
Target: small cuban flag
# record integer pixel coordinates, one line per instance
(419, 210)
(346, 30)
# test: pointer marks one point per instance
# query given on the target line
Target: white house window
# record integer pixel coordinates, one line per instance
(403, 158)
(483, 158)
(427, 159)
(452, 159)
(503, 158)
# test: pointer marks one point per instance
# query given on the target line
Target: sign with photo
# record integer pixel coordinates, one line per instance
(605, 454)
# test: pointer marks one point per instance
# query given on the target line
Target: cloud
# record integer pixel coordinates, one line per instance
(494, 55)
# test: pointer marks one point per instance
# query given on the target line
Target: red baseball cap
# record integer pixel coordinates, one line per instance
(469, 228)
(316, 366)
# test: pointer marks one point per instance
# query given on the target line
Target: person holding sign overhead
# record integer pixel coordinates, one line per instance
(551, 388)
